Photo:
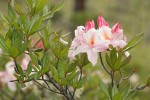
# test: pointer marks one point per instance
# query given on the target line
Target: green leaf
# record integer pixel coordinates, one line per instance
(81, 82)
(82, 60)
(73, 75)
(108, 60)
(5, 19)
(55, 74)
(34, 59)
(45, 63)
(40, 4)
(45, 69)
(104, 89)
(30, 3)
(45, 60)
(13, 52)
(117, 96)
(114, 90)
(126, 61)
(37, 76)
(16, 37)
(50, 14)
(36, 26)
(72, 67)
(57, 7)
(126, 92)
(31, 77)
(8, 43)
(113, 56)
(3, 44)
(20, 70)
(18, 77)
(18, 8)
(24, 46)
(134, 42)
(118, 61)
(11, 12)
(62, 68)
(64, 52)
(29, 69)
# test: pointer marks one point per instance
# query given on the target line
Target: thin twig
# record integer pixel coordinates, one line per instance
(46, 87)
(138, 87)
(53, 82)
(124, 78)
(112, 78)
(102, 63)
(74, 93)
(108, 71)
(46, 82)
(16, 67)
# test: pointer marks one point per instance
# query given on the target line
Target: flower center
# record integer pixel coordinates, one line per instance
(92, 40)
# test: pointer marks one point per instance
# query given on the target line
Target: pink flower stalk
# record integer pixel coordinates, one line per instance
(101, 22)
(89, 24)
(92, 41)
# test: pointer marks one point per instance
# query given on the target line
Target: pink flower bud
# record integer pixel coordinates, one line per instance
(116, 28)
(101, 22)
(39, 45)
(89, 24)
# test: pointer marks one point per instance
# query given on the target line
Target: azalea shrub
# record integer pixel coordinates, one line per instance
(40, 56)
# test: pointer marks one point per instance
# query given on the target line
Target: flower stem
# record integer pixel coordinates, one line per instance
(102, 63)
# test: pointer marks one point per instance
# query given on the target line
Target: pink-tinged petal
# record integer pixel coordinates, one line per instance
(73, 51)
(101, 46)
(124, 38)
(101, 22)
(92, 57)
(79, 31)
(90, 37)
(39, 45)
(89, 24)
(119, 43)
(12, 86)
(116, 28)
(10, 67)
(80, 49)
(105, 33)
(117, 31)
(25, 61)
(2, 73)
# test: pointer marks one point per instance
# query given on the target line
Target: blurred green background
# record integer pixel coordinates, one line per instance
(134, 16)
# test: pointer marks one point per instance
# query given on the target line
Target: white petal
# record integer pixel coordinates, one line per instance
(92, 57)
(80, 49)
(12, 86)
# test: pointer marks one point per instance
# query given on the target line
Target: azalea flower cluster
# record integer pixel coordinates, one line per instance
(90, 40)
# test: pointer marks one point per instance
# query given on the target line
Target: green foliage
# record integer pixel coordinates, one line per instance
(50, 63)
(105, 90)
(134, 42)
